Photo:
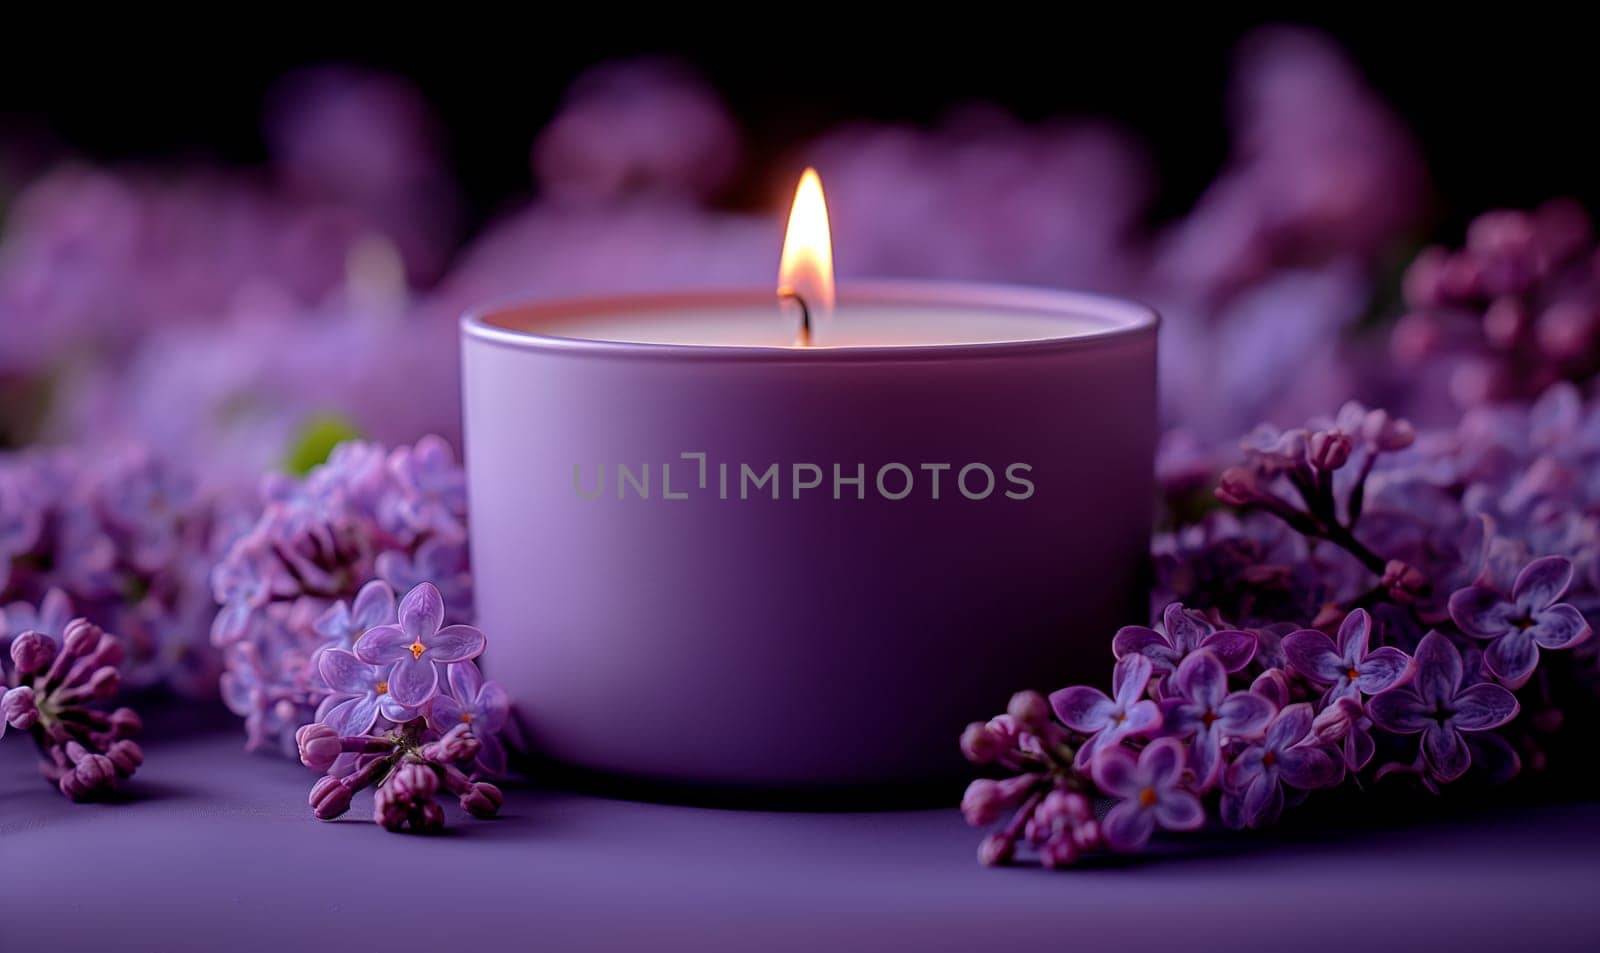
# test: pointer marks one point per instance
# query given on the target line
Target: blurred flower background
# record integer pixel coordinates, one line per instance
(173, 327)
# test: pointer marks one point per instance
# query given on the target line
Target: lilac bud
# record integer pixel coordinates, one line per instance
(1566, 330)
(1030, 710)
(92, 774)
(1238, 486)
(108, 651)
(32, 651)
(330, 797)
(1503, 322)
(482, 800)
(1086, 834)
(125, 756)
(104, 682)
(985, 799)
(80, 638)
(996, 849)
(458, 744)
(1058, 852)
(19, 708)
(318, 744)
(412, 782)
(125, 723)
(1330, 449)
(428, 819)
(1422, 283)
(979, 744)
(1334, 722)
(1404, 582)
(388, 811)
(1386, 432)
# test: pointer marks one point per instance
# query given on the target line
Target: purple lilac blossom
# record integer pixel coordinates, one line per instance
(1107, 719)
(1288, 756)
(1184, 633)
(1201, 710)
(1519, 626)
(1444, 708)
(413, 651)
(1348, 667)
(1150, 793)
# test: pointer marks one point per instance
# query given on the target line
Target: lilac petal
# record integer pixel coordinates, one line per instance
(445, 713)
(1438, 669)
(1512, 658)
(1312, 654)
(1234, 648)
(455, 643)
(1482, 707)
(1205, 759)
(413, 681)
(353, 716)
(1446, 752)
(466, 680)
(1262, 803)
(334, 621)
(1179, 811)
(1358, 749)
(421, 612)
(1245, 715)
(1244, 768)
(1400, 710)
(1129, 678)
(344, 673)
(382, 644)
(1143, 717)
(1480, 612)
(1115, 772)
(1138, 640)
(1202, 678)
(1382, 670)
(1355, 633)
(231, 623)
(1309, 766)
(393, 710)
(1128, 826)
(1273, 686)
(374, 605)
(491, 755)
(1292, 724)
(1180, 717)
(1559, 627)
(1184, 630)
(1161, 764)
(1542, 582)
(494, 706)
(1082, 708)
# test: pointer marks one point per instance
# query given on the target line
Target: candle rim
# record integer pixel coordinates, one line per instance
(1124, 319)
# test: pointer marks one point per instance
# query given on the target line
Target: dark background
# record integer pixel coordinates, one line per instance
(1504, 107)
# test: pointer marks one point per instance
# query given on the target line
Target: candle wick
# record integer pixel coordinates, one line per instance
(803, 338)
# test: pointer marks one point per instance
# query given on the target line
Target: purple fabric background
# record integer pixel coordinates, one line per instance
(215, 850)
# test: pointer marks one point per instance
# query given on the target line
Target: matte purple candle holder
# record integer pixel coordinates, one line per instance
(657, 614)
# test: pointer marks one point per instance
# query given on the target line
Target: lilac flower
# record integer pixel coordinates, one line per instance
(480, 705)
(1345, 723)
(1348, 668)
(343, 624)
(1185, 632)
(1443, 709)
(1288, 756)
(1201, 708)
(437, 561)
(1530, 620)
(1109, 719)
(1151, 793)
(411, 649)
(359, 693)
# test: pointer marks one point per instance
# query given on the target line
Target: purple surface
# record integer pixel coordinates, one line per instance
(215, 850)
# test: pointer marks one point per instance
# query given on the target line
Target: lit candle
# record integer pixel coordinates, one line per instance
(731, 539)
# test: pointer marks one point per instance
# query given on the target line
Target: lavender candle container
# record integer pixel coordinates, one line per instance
(707, 558)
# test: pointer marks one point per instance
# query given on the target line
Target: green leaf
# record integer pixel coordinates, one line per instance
(316, 440)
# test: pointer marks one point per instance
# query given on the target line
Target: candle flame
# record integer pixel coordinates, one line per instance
(806, 269)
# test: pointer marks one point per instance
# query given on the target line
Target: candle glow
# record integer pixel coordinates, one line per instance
(805, 271)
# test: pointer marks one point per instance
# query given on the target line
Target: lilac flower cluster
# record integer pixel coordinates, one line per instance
(1376, 605)
(409, 712)
(128, 540)
(60, 672)
(318, 571)
(1510, 313)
